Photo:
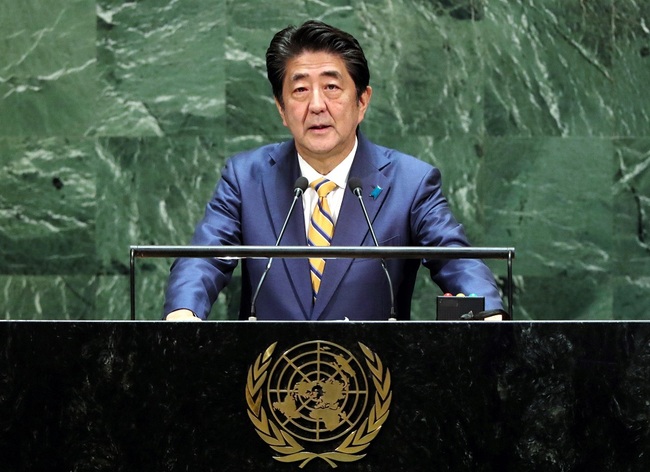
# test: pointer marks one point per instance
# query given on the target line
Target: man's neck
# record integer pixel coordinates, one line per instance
(325, 167)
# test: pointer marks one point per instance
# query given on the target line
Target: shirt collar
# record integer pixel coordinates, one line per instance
(338, 175)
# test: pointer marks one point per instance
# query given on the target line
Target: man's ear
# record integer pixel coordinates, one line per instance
(364, 102)
(280, 110)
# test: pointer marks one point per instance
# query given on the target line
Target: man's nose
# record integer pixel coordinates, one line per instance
(317, 101)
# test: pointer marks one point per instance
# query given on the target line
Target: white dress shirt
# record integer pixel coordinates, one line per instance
(339, 175)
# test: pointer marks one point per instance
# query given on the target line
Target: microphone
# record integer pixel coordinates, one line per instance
(354, 184)
(299, 188)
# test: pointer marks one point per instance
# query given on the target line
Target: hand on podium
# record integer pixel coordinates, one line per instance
(182, 315)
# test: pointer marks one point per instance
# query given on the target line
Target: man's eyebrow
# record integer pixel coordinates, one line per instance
(332, 73)
(328, 73)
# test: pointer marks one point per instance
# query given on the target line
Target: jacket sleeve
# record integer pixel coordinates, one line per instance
(433, 224)
(195, 283)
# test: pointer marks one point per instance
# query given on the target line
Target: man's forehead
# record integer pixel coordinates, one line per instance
(335, 74)
(315, 64)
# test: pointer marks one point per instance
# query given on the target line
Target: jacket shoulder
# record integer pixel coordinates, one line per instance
(398, 160)
(269, 153)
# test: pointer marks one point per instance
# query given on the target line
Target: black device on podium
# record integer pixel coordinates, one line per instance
(456, 307)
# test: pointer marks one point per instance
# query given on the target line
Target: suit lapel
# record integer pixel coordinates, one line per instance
(351, 227)
(277, 187)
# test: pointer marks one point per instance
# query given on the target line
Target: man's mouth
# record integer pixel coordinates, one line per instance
(319, 127)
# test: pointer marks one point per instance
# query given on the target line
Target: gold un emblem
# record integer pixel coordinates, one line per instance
(312, 402)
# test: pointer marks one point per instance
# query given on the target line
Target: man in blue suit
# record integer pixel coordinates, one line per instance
(320, 81)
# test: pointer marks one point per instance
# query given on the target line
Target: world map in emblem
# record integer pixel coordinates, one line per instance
(317, 391)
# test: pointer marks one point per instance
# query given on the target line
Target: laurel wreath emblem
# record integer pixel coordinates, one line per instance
(288, 448)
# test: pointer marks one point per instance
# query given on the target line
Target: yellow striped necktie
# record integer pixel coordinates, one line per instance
(321, 230)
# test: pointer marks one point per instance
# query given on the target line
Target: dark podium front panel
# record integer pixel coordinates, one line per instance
(444, 396)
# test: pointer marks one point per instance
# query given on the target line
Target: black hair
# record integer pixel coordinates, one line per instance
(315, 36)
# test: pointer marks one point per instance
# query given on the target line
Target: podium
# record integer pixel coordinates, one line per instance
(461, 396)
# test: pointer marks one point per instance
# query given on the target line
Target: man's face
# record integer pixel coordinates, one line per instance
(321, 108)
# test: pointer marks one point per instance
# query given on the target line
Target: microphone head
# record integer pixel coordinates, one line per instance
(354, 184)
(301, 185)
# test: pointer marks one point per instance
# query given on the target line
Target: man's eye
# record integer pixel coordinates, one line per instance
(331, 87)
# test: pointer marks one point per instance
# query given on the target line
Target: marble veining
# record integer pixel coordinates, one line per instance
(116, 118)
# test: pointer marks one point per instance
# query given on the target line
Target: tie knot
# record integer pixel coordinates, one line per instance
(323, 187)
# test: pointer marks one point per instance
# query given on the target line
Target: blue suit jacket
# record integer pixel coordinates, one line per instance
(251, 202)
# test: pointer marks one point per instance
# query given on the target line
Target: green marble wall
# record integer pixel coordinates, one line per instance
(115, 118)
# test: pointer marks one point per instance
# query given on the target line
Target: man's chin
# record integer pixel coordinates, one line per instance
(319, 145)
